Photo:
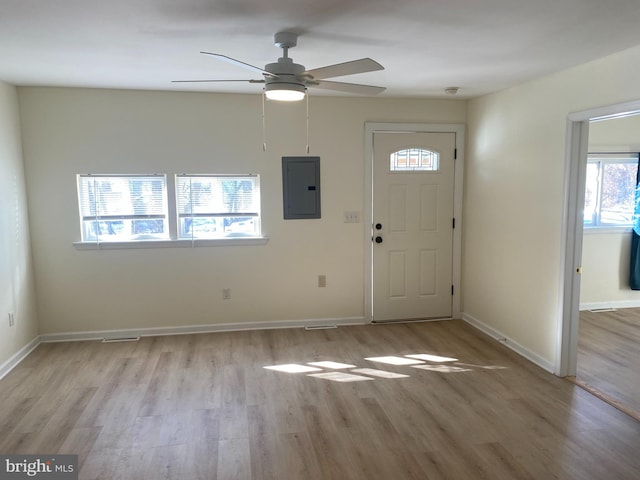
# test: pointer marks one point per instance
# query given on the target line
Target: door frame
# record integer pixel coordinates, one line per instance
(458, 181)
(577, 143)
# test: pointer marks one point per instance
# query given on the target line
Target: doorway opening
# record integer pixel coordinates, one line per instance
(577, 153)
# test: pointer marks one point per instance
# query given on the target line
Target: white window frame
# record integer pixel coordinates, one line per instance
(172, 219)
(601, 159)
(123, 206)
(216, 207)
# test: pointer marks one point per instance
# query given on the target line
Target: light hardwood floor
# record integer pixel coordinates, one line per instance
(204, 406)
(609, 355)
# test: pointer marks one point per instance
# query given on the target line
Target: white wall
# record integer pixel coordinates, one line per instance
(606, 256)
(615, 135)
(17, 293)
(71, 131)
(605, 266)
(514, 197)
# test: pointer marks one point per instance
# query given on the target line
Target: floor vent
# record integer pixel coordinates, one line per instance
(601, 310)
(320, 327)
(120, 339)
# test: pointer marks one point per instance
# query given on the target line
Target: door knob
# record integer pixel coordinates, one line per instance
(378, 239)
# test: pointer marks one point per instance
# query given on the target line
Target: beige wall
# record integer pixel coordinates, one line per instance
(71, 131)
(17, 293)
(514, 197)
(606, 256)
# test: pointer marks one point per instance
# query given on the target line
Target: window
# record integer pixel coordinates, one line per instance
(218, 206)
(412, 159)
(610, 190)
(123, 207)
(119, 211)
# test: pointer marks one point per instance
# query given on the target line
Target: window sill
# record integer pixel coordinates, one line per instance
(596, 230)
(218, 242)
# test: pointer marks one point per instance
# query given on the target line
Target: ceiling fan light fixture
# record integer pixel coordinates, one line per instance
(285, 92)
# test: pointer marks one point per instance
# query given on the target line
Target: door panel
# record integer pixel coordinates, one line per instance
(428, 278)
(397, 274)
(412, 266)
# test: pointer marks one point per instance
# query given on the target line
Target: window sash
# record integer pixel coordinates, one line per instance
(217, 206)
(607, 206)
(115, 208)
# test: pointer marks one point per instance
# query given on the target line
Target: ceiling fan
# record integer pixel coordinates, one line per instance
(288, 81)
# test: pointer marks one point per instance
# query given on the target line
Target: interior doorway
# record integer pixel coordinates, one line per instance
(576, 166)
(609, 331)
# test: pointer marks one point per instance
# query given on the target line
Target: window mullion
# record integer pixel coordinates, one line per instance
(172, 201)
(598, 219)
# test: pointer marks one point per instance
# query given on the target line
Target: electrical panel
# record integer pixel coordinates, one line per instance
(301, 187)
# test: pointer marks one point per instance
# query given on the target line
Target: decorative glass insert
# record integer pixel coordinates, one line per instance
(415, 159)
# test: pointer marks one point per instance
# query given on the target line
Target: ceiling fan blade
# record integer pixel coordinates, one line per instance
(347, 68)
(238, 63)
(202, 81)
(347, 87)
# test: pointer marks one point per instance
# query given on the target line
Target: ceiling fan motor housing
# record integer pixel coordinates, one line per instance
(286, 73)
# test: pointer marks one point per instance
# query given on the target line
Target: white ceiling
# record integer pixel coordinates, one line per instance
(424, 45)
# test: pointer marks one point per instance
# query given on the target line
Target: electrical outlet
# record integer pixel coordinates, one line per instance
(12, 319)
(226, 294)
(351, 217)
(322, 281)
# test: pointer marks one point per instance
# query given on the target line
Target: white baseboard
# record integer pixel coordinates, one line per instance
(513, 345)
(611, 304)
(191, 329)
(20, 355)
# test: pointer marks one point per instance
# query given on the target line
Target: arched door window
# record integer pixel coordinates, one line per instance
(414, 159)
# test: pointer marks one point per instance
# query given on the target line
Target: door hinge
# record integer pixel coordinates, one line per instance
(453, 223)
(455, 153)
(451, 289)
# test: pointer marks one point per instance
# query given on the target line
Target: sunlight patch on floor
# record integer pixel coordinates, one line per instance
(442, 368)
(379, 373)
(293, 368)
(422, 361)
(393, 360)
(484, 367)
(332, 365)
(432, 358)
(340, 377)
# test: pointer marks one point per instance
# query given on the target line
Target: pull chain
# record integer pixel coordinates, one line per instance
(307, 95)
(264, 127)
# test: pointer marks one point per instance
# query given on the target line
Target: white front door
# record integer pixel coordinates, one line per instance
(413, 211)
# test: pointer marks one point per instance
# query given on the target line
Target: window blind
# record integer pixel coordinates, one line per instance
(213, 206)
(123, 207)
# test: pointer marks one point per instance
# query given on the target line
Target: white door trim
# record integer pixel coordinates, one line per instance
(571, 242)
(370, 129)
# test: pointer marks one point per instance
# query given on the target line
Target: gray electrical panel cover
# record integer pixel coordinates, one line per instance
(301, 187)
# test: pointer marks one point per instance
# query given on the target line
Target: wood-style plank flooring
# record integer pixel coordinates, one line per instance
(609, 355)
(204, 407)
